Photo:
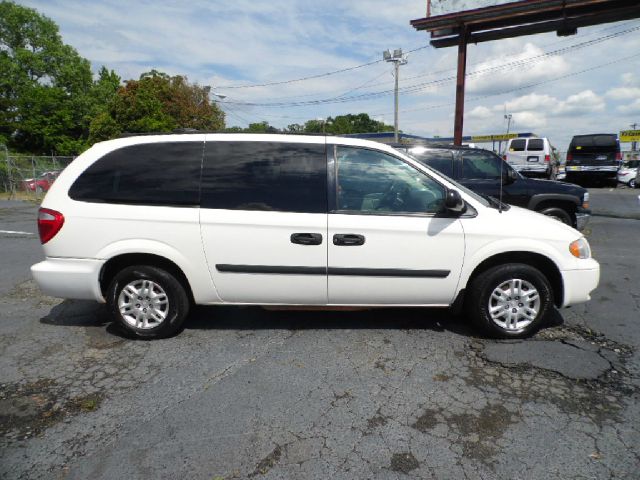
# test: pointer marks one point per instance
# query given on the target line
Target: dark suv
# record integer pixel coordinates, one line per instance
(594, 158)
(482, 171)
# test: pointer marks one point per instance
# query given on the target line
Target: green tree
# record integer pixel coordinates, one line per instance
(45, 86)
(156, 102)
(261, 127)
(358, 123)
(295, 128)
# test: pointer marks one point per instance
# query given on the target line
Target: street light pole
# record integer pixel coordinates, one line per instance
(397, 58)
(634, 145)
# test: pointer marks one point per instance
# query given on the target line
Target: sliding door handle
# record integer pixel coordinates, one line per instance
(306, 238)
(348, 239)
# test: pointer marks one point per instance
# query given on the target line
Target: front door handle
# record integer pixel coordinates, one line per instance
(348, 239)
(306, 238)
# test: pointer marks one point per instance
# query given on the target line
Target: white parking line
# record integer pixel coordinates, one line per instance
(16, 232)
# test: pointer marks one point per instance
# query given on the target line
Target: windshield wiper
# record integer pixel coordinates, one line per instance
(495, 203)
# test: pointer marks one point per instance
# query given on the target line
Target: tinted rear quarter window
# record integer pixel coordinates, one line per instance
(536, 144)
(517, 145)
(285, 177)
(482, 165)
(145, 174)
(442, 161)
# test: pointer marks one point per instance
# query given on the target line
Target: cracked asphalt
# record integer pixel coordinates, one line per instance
(386, 394)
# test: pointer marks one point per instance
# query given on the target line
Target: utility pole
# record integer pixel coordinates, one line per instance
(398, 59)
(507, 117)
(634, 145)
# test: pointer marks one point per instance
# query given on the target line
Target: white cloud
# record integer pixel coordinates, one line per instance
(528, 121)
(584, 102)
(630, 79)
(624, 93)
(489, 77)
(533, 101)
(480, 113)
(632, 108)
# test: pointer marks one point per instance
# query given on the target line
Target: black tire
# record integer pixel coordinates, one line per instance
(558, 214)
(480, 295)
(174, 312)
(632, 183)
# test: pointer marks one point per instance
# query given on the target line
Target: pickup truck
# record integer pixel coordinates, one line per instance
(483, 172)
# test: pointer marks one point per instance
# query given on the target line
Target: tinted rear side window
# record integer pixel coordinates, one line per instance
(536, 145)
(442, 161)
(146, 174)
(517, 145)
(284, 177)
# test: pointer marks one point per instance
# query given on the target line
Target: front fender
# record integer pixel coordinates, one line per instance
(537, 199)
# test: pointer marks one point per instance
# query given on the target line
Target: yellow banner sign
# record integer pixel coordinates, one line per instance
(491, 138)
(630, 136)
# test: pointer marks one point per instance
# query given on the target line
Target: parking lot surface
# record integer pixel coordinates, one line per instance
(249, 393)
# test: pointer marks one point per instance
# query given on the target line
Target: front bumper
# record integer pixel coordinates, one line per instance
(582, 219)
(69, 278)
(578, 284)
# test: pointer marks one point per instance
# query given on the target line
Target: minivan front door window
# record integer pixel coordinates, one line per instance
(372, 182)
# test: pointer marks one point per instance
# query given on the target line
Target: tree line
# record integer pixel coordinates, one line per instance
(51, 103)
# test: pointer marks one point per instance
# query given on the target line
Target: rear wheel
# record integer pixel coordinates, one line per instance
(559, 214)
(632, 183)
(148, 301)
(509, 301)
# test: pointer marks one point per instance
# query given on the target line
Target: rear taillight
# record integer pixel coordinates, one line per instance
(569, 157)
(49, 224)
(618, 156)
(504, 157)
(547, 158)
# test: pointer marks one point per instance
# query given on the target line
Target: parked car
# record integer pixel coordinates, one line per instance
(486, 173)
(594, 159)
(627, 173)
(42, 183)
(151, 225)
(532, 157)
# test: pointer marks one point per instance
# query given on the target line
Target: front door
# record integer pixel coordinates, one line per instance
(390, 242)
(263, 219)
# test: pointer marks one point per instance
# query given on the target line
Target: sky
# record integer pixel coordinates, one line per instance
(553, 86)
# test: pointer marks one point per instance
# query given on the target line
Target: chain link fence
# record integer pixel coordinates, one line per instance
(29, 177)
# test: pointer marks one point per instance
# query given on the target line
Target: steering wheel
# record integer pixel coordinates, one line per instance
(392, 198)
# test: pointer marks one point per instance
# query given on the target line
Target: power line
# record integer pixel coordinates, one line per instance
(432, 73)
(516, 89)
(310, 77)
(423, 85)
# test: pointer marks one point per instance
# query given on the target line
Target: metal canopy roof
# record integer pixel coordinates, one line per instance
(524, 17)
(514, 19)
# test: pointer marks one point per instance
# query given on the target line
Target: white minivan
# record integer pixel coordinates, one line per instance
(151, 225)
(532, 157)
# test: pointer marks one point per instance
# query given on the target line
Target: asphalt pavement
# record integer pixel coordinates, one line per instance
(394, 393)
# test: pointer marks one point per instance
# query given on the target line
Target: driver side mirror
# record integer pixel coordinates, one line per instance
(453, 201)
(510, 177)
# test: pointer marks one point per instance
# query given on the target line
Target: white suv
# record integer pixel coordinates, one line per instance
(153, 224)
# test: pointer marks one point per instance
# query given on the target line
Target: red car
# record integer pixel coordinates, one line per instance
(42, 183)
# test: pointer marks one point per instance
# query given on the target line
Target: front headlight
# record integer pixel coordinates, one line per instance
(585, 201)
(580, 248)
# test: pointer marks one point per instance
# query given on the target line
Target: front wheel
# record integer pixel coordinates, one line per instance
(509, 301)
(147, 301)
(559, 214)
